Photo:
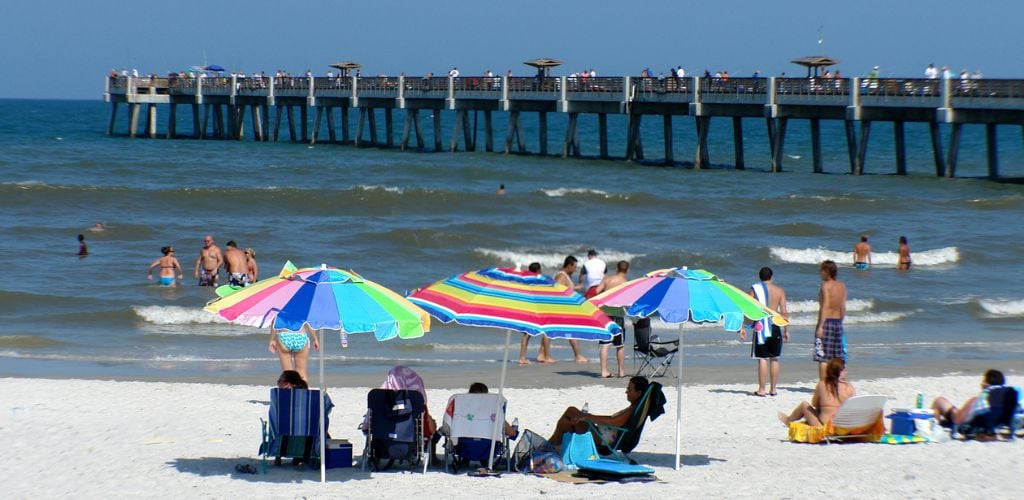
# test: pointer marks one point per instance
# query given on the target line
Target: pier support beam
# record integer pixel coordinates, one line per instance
(571, 145)
(304, 114)
(489, 131)
(371, 115)
(196, 131)
(316, 124)
(954, 150)
(515, 130)
(460, 118)
(345, 138)
(634, 144)
(602, 130)
(862, 147)
(851, 144)
(778, 143)
(543, 118)
(412, 120)
(702, 159)
(133, 119)
(359, 127)
(389, 128)
(113, 118)
(901, 148)
(737, 142)
(151, 121)
(666, 122)
(277, 123)
(291, 124)
(992, 149)
(172, 121)
(331, 132)
(437, 130)
(816, 146)
(940, 165)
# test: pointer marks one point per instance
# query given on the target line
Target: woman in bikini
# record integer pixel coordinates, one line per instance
(829, 395)
(167, 264)
(292, 348)
(903, 263)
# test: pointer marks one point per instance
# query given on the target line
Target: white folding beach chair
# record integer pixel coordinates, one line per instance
(855, 414)
(467, 426)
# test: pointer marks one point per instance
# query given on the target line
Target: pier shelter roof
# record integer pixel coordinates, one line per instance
(813, 63)
(543, 64)
(344, 66)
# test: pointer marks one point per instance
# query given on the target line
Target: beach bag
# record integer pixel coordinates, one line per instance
(534, 454)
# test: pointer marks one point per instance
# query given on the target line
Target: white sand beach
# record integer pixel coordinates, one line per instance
(93, 439)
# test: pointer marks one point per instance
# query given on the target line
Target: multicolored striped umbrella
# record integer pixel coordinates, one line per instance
(324, 299)
(515, 300)
(679, 295)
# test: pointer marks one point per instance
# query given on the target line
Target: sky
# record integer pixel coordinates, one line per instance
(80, 41)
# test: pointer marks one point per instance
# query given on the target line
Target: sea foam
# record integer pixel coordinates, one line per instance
(174, 315)
(935, 257)
(550, 261)
(1003, 307)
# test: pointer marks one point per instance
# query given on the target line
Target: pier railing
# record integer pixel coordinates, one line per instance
(840, 92)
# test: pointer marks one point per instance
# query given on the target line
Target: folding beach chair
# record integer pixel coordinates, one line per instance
(1003, 403)
(293, 426)
(858, 418)
(467, 426)
(394, 428)
(651, 406)
(651, 351)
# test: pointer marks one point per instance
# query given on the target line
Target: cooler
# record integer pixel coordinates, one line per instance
(339, 453)
(903, 421)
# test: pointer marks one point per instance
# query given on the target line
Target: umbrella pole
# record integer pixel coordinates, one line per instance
(497, 406)
(679, 399)
(323, 430)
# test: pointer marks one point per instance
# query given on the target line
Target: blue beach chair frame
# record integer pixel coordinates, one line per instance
(293, 426)
(394, 428)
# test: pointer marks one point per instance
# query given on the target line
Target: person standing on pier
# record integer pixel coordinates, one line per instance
(903, 261)
(454, 73)
(565, 277)
(862, 254)
(828, 336)
(210, 259)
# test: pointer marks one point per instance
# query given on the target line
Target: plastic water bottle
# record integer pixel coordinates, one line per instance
(586, 408)
(920, 401)
(515, 427)
(344, 340)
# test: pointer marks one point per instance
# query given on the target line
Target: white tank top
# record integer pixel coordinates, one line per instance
(595, 272)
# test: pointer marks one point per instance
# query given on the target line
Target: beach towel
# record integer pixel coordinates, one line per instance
(901, 439)
(762, 328)
(800, 432)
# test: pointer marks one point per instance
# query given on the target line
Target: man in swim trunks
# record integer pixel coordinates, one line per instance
(292, 348)
(525, 342)
(168, 263)
(766, 346)
(608, 283)
(592, 273)
(828, 335)
(862, 254)
(564, 277)
(210, 259)
(236, 265)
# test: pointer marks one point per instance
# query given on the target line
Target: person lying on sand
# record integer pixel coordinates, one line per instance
(829, 395)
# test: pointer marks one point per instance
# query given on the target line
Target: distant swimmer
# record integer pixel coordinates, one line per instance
(98, 227)
(903, 263)
(83, 248)
(167, 264)
(501, 189)
(862, 254)
(236, 264)
(210, 259)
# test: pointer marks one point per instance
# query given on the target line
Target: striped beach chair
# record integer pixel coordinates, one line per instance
(293, 426)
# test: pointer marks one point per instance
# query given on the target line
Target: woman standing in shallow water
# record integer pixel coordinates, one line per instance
(903, 262)
(168, 264)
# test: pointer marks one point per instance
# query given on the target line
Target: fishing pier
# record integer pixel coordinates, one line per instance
(219, 107)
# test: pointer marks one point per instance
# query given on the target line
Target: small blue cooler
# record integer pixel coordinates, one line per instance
(903, 421)
(339, 453)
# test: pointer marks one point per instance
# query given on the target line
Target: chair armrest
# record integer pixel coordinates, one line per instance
(665, 342)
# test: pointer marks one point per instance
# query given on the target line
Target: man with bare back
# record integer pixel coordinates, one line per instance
(236, 264)
(828, 335)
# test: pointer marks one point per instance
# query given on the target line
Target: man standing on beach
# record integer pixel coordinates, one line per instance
(565, 277)
(608, 283)
(210, 259)
(828, 335)
(535, 269)
(766, 346)
(236, 264)
(592, 273)
(862, 254)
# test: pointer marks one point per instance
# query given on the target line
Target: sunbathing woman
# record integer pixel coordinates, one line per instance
(829, 395)
(574, 420)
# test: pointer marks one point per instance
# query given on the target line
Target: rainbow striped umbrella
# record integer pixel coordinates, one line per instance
(679, 295)
(514, 300)
(324, 299)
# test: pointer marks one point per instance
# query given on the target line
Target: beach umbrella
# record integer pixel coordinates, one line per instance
(215, 68)
(514, 300)
(324, 298)
(680, 295)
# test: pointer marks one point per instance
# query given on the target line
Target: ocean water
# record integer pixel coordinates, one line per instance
(405, 219)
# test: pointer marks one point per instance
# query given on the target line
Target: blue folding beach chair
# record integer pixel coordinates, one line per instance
(293, 426)
(394, 429)
(468, 425)
(1003, 403)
